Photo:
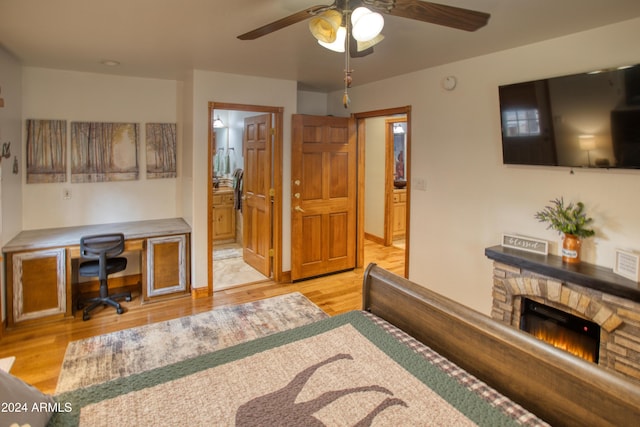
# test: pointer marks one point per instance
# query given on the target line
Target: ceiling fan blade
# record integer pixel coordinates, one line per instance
(284, 22)
(435, 13)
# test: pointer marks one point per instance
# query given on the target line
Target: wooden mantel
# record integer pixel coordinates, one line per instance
(584, 274)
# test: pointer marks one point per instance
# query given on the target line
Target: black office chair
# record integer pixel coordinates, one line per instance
(102, 250)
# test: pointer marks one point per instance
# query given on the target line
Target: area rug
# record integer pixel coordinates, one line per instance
(343, 370)
(119, 354)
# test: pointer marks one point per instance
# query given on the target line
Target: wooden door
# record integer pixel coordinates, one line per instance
(256, 203)
(323, 174)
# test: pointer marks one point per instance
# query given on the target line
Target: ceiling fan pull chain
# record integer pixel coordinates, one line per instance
(347, 53)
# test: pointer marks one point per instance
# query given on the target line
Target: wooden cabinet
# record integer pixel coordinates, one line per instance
(166, 263)
(39, 266)
(399, 228)
(224, 215)
(37, 287)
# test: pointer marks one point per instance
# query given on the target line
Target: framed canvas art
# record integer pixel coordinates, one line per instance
(46, 151)
(104, 151)
(161, 150)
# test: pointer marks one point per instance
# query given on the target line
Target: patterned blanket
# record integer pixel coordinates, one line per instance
(344, 370)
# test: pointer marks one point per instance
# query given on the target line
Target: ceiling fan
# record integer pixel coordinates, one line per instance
(434, 13)
(344, 20)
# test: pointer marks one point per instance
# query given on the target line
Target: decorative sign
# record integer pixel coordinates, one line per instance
(627, 265)
(525, 244)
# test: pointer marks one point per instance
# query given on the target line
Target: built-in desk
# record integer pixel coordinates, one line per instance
(38, 265)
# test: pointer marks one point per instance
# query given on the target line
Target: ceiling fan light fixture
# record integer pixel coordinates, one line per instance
(338, 43)
(324, 26)
(371, 43)
(366, 25)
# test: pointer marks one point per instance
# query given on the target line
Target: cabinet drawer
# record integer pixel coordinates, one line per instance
(227, 199)
(223, 199)
(399, 196)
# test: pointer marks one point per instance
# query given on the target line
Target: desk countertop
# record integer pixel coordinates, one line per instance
(69, 236)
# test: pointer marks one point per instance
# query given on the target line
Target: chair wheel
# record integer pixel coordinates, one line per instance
(85, 316)
(127, 299)
(119, 310)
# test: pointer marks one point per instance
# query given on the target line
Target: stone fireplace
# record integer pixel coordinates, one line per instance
(586, 291)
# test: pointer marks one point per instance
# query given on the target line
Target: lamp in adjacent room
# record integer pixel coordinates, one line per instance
(587, 143)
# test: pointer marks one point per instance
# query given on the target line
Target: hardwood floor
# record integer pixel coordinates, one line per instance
(39, 351)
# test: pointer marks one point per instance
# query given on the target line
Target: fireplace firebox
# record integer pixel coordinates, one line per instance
(563, 330)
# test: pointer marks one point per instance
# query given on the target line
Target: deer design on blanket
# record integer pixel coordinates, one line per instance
(273, 408)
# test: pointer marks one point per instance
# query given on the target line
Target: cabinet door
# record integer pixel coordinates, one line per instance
(224, 224)
(38, 285)
(399, 215)
(166, 266)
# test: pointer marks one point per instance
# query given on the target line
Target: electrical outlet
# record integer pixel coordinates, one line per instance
(66, 194)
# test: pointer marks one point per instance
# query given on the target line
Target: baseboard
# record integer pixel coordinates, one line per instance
(202, 292)
(374, 238)
(285, 277)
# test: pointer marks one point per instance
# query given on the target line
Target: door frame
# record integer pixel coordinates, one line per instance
(360, 126)
(389, 169)
(277, 162)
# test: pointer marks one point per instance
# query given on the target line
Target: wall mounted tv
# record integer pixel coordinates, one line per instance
(582, 120)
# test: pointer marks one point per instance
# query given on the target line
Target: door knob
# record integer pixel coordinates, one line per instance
(298, 209)
(296, 195)
(296, 182)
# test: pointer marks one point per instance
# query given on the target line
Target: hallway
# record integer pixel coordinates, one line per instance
(230, 270)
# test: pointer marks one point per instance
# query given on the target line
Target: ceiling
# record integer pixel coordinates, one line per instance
(168, 38)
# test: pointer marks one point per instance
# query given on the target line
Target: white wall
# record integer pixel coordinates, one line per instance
(374, 176)
(75, 96)
(314, 103)
(471, 197)
(221, 87)
(10, 132)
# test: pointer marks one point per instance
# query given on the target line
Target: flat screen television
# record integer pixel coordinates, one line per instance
(581, 120)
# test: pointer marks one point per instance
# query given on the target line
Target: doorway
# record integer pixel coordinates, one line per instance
(384, 204)
(244, 222)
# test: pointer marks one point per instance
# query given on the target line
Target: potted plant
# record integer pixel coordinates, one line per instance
(570, 220)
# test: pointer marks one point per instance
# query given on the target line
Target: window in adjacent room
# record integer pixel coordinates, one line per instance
(521, 122)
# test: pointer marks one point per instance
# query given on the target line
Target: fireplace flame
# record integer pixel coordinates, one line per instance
(563, 342)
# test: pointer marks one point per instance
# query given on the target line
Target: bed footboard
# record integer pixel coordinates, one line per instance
(554, 385)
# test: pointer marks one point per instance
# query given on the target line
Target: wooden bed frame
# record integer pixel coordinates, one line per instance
(559, 388)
